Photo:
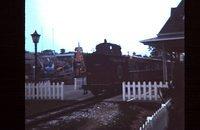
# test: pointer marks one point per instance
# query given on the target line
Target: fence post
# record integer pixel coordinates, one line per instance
(32, 89)
(150, 95)
(167, 116)
(144, 90)
(45, 90)
(161, 85)
(37, 91)
(49, 90)
(155, 91)
(133, 86)
(166, 85)
(149, 119)
(163, 107)
(62, 91)
(139, 91)
(57, 91)
(123, 91)
(129, 91)
(75, 83)
(29, 91)
(53, 90)
(40, 90)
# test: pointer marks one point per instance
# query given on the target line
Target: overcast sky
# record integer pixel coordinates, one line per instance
(64, 23)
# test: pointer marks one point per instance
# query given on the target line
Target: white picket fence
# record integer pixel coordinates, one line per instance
(159, 120)
(144, 91)
(78, 82)
(44, 90)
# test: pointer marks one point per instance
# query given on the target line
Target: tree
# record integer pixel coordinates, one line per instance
(145, 56)
(62, 51)
(154, 52)
(48, 52)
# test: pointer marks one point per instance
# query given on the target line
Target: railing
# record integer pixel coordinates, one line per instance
(159, 120)
(44, 90)
(142, 91)
(78, 82)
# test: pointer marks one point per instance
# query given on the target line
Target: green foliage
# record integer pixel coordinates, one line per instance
(62, 51)
(154, 52)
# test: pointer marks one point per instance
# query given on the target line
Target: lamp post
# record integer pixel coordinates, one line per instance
(35, 37)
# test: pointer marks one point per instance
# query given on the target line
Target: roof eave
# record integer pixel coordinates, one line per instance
(147, 41)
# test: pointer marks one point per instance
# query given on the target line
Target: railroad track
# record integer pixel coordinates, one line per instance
(50, 115)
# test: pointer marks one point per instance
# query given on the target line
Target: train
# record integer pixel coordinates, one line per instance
(107, 68)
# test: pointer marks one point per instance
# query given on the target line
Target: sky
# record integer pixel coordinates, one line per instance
(65, 23)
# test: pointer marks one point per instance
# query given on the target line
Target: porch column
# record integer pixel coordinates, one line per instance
(164, 63)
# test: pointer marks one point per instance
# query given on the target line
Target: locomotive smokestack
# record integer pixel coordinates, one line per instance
(105, 41)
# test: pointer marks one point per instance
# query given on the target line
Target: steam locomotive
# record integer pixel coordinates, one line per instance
(107, 68)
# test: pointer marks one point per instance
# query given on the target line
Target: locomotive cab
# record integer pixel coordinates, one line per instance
(105, 73)
(106, 68)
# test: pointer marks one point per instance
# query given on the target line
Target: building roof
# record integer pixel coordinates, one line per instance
(172, 31)
(66, 54)
(176, 21)
(167, 37)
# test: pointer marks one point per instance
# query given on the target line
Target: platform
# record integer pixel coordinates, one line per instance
(71, 94)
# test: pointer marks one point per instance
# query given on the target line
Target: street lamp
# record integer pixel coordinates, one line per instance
(35, 37)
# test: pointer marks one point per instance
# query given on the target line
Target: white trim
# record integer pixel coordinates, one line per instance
(161, 39)
(173, 33)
